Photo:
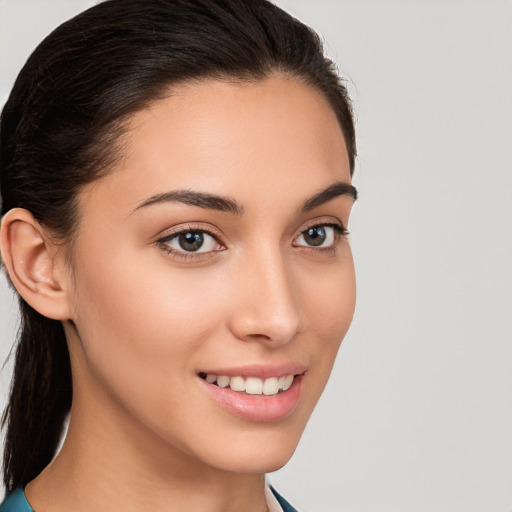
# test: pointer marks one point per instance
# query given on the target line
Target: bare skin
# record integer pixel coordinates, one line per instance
(146, 318)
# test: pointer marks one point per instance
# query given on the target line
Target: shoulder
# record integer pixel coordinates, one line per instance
(16, 502)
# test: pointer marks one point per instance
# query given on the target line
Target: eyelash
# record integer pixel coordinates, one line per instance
(164, 241)
(340, 232)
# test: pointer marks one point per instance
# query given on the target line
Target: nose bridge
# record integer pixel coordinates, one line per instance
(267, 307)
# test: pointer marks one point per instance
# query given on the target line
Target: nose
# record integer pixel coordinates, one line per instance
(265, 305)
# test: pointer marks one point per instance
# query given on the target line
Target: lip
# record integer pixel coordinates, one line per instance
(257, 408)
(259, 370)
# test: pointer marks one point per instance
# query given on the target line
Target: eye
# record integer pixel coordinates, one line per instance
(322, 235)
(192, 241)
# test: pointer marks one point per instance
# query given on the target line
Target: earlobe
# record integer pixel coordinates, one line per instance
(34, 264)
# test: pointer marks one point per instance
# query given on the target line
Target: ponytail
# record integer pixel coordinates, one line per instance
(39, 400)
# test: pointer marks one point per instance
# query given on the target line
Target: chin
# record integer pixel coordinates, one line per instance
(257, 463)
(254, 452)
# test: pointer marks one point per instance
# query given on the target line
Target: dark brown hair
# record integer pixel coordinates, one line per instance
(59, 130)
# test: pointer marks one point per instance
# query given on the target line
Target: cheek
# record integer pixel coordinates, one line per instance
(144, 303)
(330, 300)
(329, 305)
(141, 324)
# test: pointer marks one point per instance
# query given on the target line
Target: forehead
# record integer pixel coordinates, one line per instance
(240, 139)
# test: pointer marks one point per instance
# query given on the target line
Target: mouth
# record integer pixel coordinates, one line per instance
(251, 385)
(261, 398)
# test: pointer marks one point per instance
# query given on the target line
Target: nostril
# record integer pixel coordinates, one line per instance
(258, 337)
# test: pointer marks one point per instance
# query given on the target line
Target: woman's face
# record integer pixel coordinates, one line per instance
(214, 257)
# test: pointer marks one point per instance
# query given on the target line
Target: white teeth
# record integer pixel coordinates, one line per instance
(223, 381)
(287, 382)
(237, 384)
(271, 386)
(252, 385)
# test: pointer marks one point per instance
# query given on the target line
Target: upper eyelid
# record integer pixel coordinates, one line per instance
(325, 221)
(339, 232)
(163, 241)
(175, 231)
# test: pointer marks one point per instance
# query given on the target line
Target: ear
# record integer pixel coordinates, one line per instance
(35, 265)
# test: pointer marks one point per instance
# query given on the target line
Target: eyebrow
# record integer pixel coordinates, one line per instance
(200, 199)
(229, 205)
(337, 189)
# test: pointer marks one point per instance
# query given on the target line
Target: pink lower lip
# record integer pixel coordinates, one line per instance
(256, 407)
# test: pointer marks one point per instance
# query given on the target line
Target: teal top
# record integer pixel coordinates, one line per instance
(284, 504)
(17, 502)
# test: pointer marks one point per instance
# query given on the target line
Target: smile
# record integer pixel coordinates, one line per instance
(251, 385)
(255, 393)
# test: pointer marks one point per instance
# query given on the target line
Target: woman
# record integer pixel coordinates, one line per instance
(176, 186)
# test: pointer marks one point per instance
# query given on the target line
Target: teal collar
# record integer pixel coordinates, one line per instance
(284, 504)
(16, 502)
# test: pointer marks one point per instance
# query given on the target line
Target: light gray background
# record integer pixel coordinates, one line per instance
(418, 413)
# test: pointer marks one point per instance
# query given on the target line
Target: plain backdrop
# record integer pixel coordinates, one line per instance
(418, 413)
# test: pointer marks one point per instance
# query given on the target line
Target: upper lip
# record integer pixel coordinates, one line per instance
(262, 371)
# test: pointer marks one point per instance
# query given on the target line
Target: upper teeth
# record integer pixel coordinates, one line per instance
(252, 385)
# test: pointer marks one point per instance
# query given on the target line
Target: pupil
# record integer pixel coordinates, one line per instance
(191, 241)
(315, 236)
